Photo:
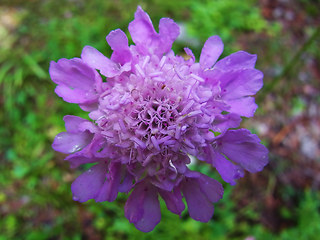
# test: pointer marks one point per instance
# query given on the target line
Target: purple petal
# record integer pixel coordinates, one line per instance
(71, 142)
(89, 183)
(199, 206)
(241, 83)
(211, 51)
(142, 207)
(142, 31)
(244, 148)
(211, 188)
(97, 60)
(126, 184)
(236, 61)
(222, 123)
(77, 82)
(118, 42)
(228, 171)
(245, 106)
(110, 188)
(173, 200)
(72, 123)
(168, 31)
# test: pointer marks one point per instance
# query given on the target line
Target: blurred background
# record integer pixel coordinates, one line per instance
(281, 202)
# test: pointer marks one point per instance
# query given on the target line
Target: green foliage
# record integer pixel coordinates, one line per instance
(228, 19)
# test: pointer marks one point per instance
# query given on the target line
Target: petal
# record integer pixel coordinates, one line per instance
(211, 51)
(199, 206)
(227, 170)
(211, 188)
(73, 73)
(245, 106)
(118, 42)
(71, 142)
(74, 95)
(126, 184)
(241, 83)
(142, 207)
(222, 123)
(77, 82)
(89, 183)
(237, 60)
(173, 200)
(110, 188)
(72, 123)
(142, 31)
(97, 60)
(168, 31)
(244, 148)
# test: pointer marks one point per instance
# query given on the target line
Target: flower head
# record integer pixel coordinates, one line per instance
(154, 110)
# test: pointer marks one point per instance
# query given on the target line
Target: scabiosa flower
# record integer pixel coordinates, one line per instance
(154, 110)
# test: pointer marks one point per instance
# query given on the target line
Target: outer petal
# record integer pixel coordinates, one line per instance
(168, 31)
(223, 122)
(173, 200)
(142, 207)
(199, 206)
(244, 148)
(142, 31)
(236, 61)
(97, 60)
(77, 82)
(211, 188)
(211, 51)
(118, 42)
(89, 183)
(228, 171)
(241, 83)
(76, 137)
(71, 142)
(110, 188)
(245, 106)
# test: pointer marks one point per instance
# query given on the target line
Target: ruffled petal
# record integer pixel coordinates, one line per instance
(211, 51)
(118, 42)
(199, 206)
(173, 200)
(222, 123)
(236, 61)
(211, 188)
(97, 60)
(142, 207)
(71, 142)
(245, 106)
(142, 32)
(168, 31)
(77, 82)
(227, 170)
(241, 83)
(110, 188)
(244, 148)
(89, 183)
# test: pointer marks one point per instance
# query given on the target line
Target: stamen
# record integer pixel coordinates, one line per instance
(162, 61)
(200, 79)
(139, 142)
(187, 107)
(146, 60)
(138, 68)
(155, 143)
(155, 74)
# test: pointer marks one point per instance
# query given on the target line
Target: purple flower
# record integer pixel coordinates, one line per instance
(154, 110)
